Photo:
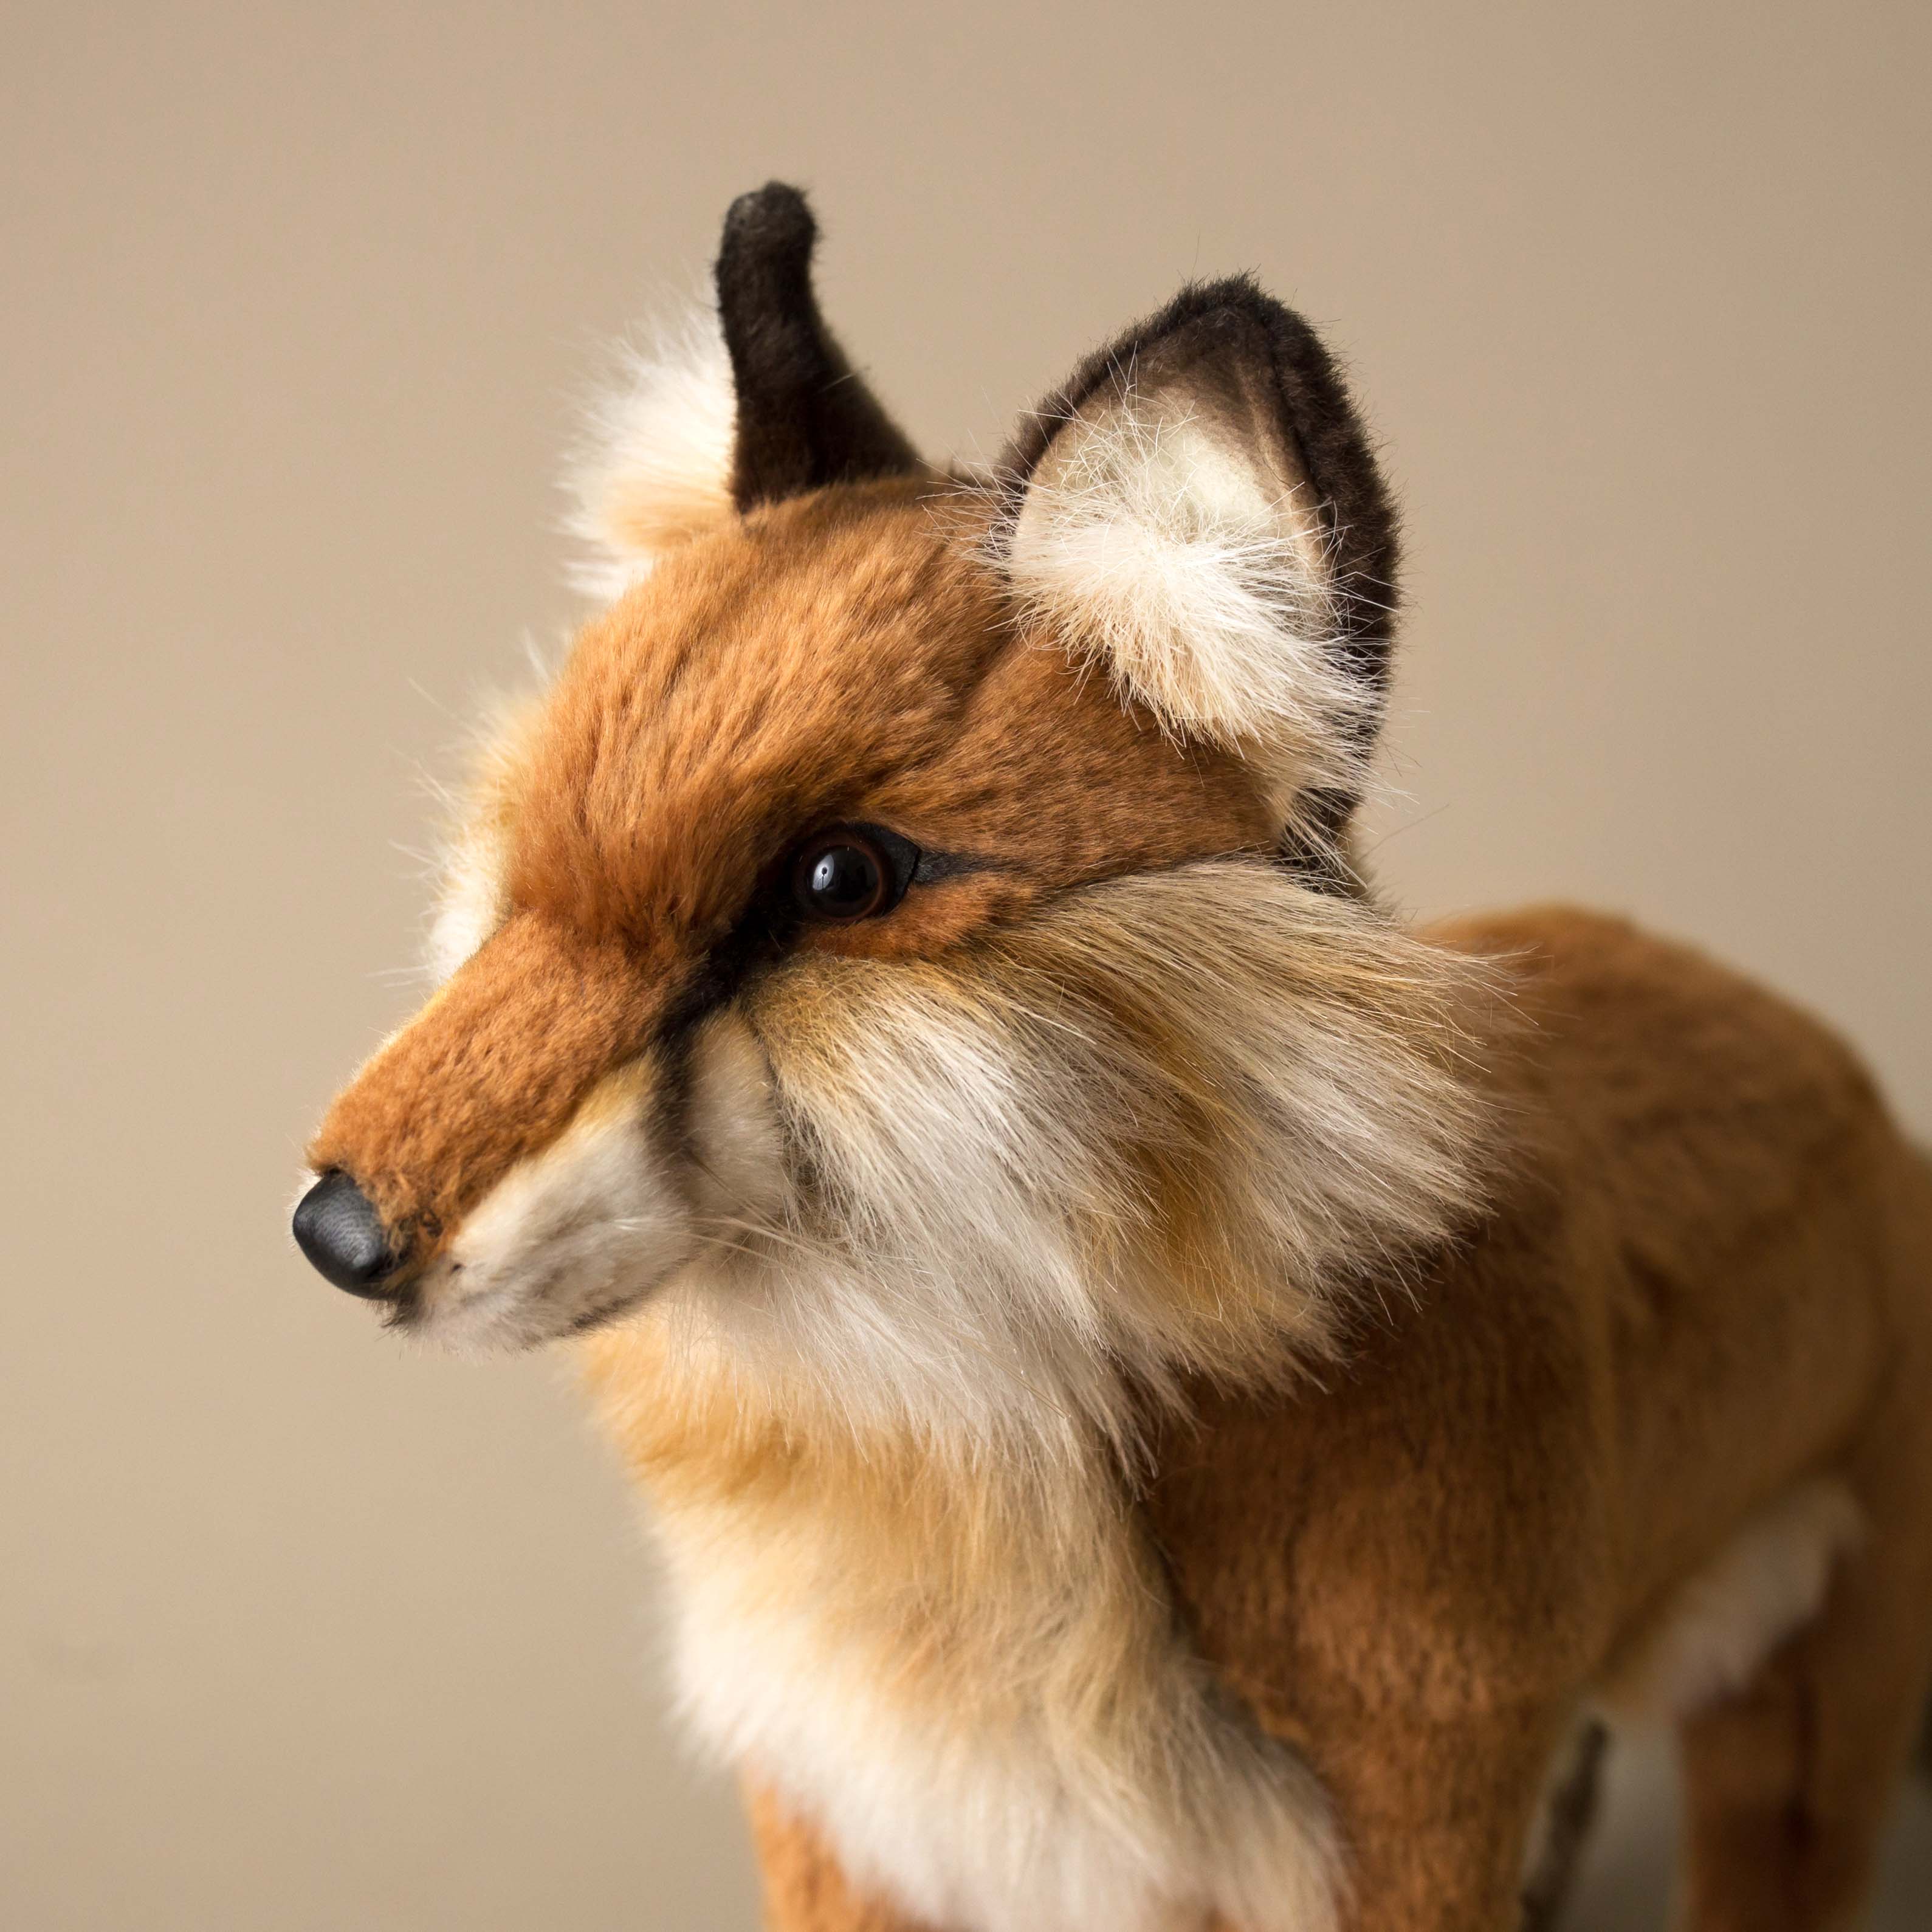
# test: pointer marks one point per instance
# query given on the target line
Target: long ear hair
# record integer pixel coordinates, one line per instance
(1199, 510)
(747, 402)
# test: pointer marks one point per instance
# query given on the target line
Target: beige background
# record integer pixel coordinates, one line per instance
(300, 1630)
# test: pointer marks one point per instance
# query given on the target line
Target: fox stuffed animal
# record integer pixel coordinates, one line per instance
(1171, 1399)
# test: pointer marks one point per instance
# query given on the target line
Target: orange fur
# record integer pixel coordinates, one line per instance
(1530, 1447)
(717, 692)
(1132, 1343)
(1709, 1281)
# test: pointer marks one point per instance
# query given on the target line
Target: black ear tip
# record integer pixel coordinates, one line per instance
(776, 219)
(805, 421)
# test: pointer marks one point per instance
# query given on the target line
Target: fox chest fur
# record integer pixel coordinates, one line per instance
(973, 1677)
(1166, 1392)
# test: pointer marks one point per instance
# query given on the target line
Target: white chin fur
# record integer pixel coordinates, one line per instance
(601, 1219)
(572, 1236)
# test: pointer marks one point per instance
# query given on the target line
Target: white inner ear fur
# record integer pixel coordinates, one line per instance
(653, 465)
(1165, 537)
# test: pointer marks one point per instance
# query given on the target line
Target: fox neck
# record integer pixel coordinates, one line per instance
(909, 1583)
(966, 1669)
(902, 1529)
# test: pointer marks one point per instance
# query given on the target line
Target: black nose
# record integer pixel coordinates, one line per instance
(336, 1226)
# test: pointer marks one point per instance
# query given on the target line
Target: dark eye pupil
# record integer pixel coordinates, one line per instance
(841, 882)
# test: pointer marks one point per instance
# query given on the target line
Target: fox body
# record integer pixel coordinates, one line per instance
(1168, 1396)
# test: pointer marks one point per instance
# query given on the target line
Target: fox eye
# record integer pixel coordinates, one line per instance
(850, 873)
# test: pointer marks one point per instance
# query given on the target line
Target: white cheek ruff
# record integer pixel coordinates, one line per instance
(971, 1245)
(944, 1234)
(569, 1237)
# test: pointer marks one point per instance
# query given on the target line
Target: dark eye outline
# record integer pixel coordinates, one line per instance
(894, 860)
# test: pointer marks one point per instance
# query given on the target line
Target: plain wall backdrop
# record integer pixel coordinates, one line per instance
(300, 1629)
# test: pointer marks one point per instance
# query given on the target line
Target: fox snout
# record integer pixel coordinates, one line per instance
(544, 1045)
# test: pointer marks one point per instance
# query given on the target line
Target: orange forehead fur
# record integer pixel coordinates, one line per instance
(842, 658)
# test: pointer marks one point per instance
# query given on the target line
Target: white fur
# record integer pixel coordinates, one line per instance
(597, 1219)
(910, 1217)
(469, 903)
(1192, 567)
(973, 1259)
(1766, 1584)
(654, 464)
(471, 898)
(1005, 1822)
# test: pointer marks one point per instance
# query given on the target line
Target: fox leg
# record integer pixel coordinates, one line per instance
(805, 1889)
(1439, 1820)
(1570, 1817)
(1788, 1783)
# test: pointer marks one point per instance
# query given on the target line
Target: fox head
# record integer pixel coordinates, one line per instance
(912, 944)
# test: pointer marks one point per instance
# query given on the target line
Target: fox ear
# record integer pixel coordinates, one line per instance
(1199, 510)
(804, 419)
(746, 404)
